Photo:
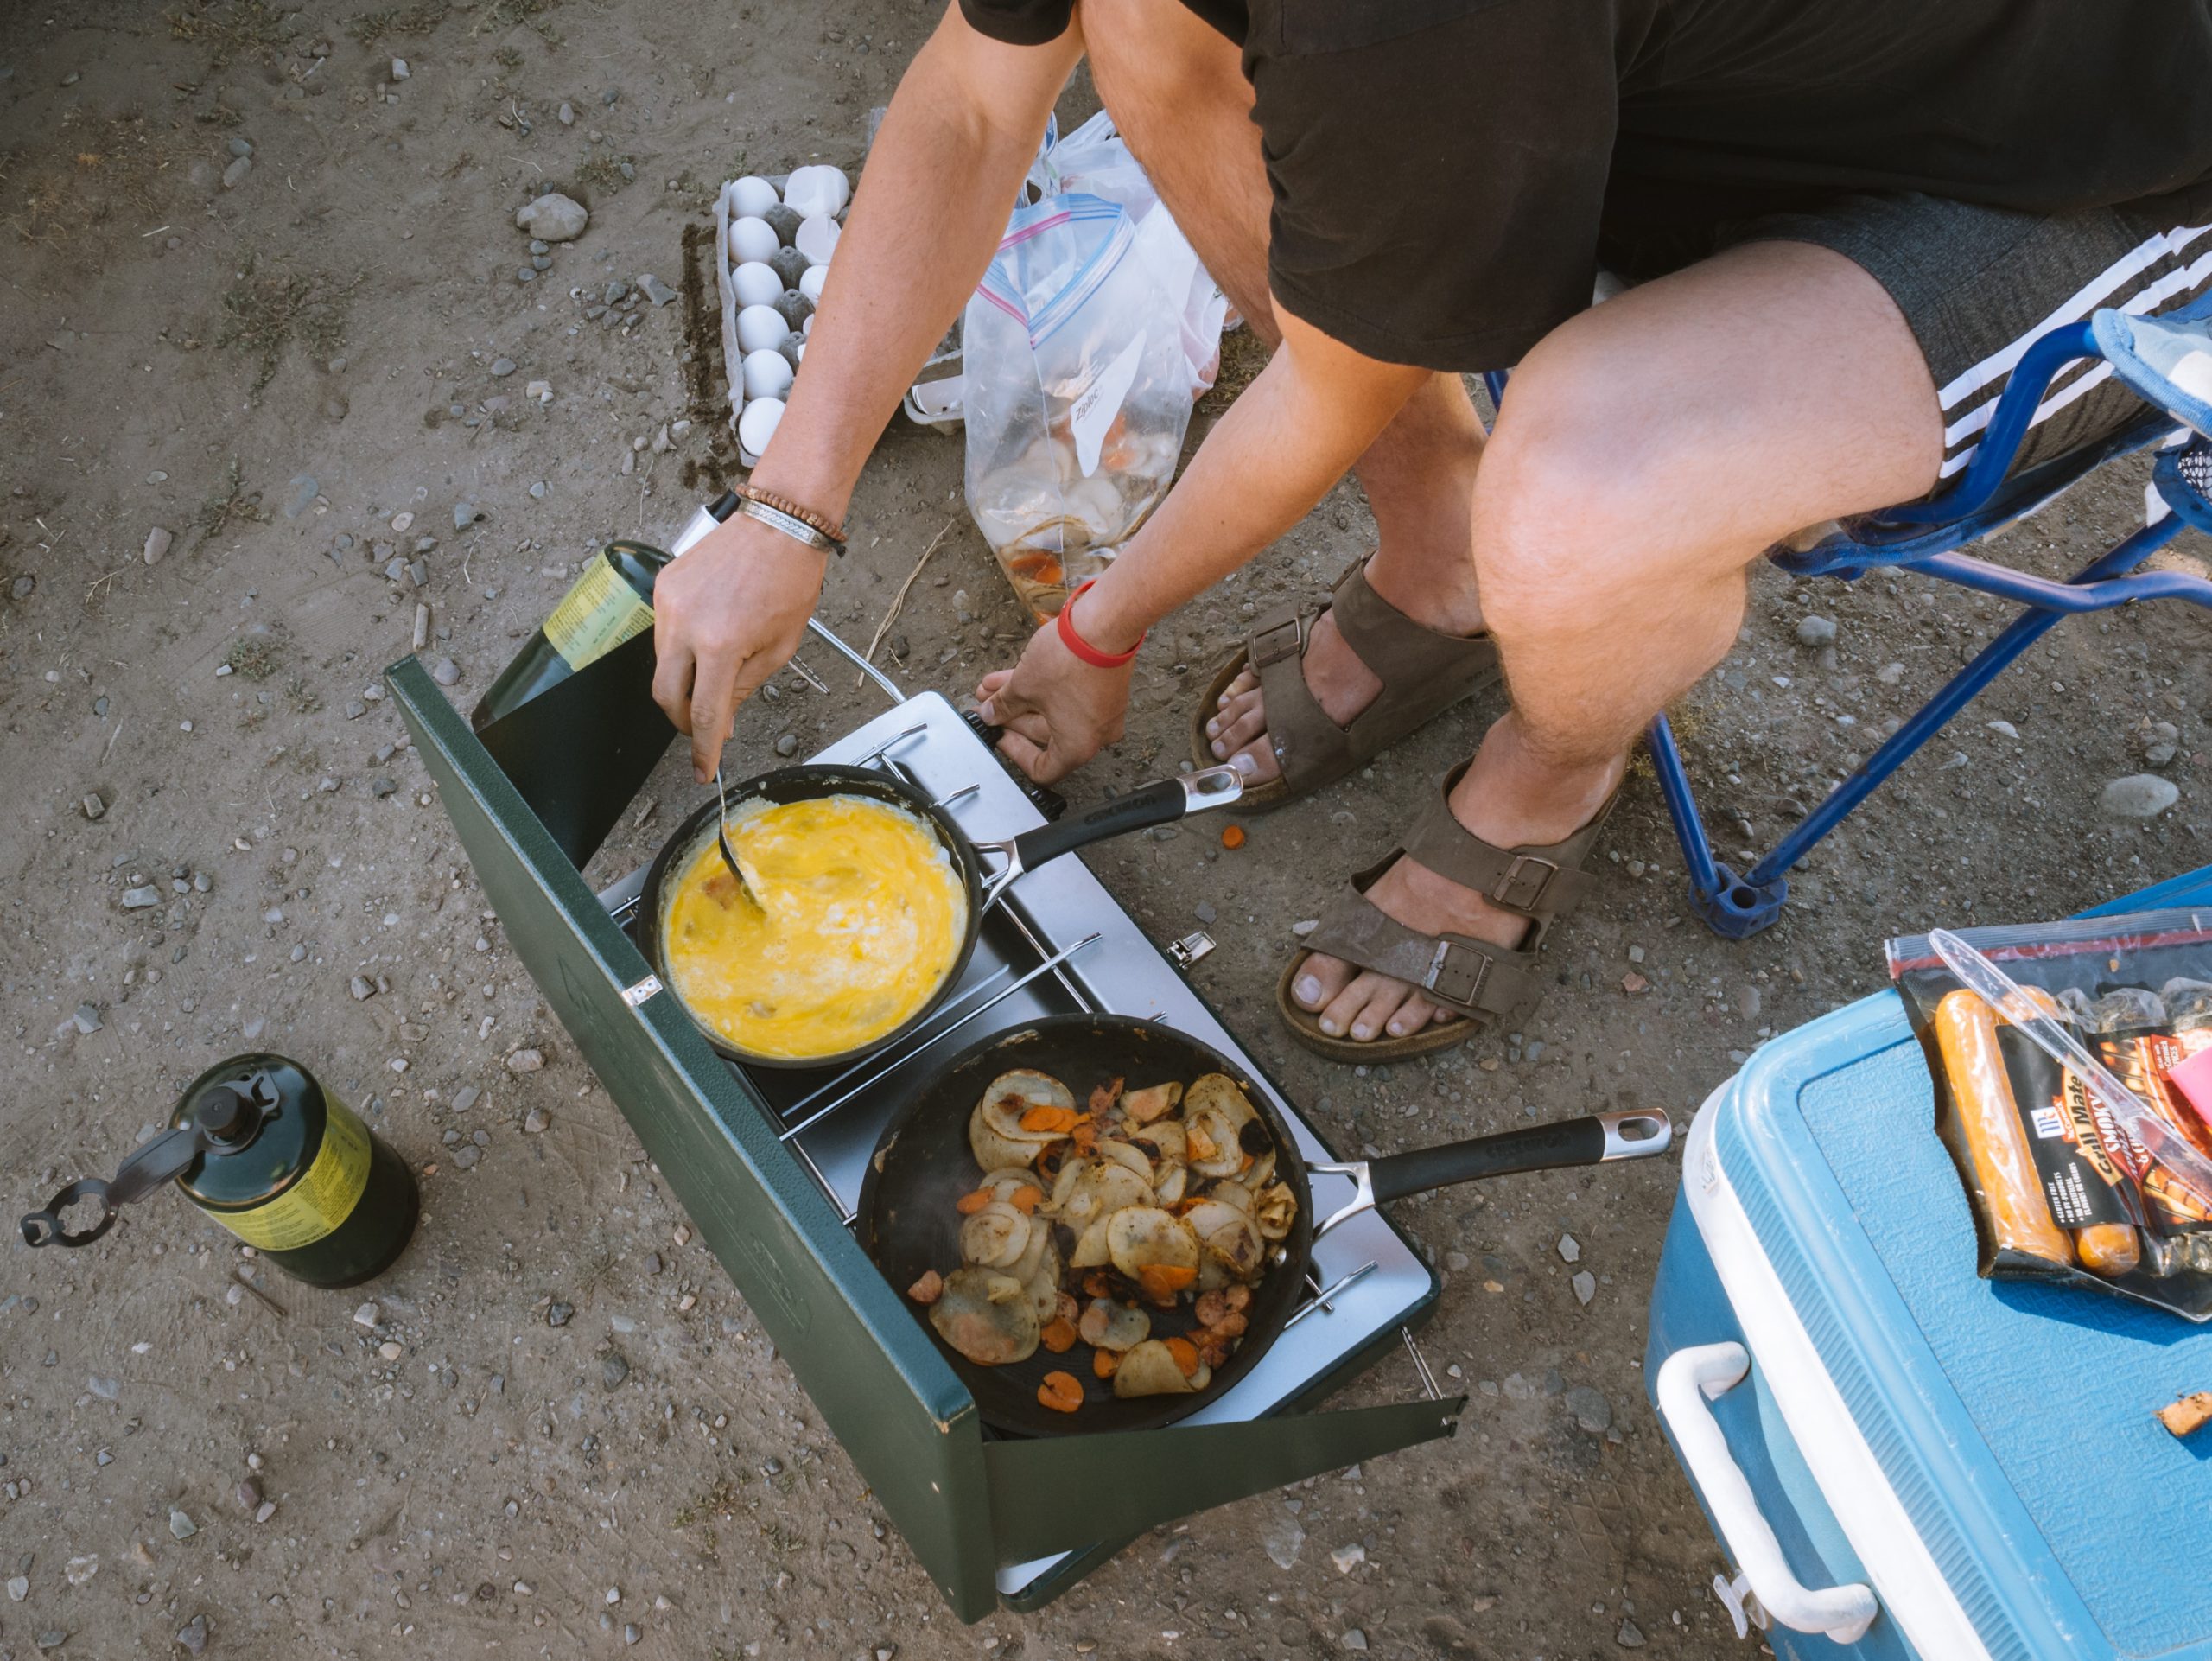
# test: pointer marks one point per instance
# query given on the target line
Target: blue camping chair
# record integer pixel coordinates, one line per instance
(2167, 361)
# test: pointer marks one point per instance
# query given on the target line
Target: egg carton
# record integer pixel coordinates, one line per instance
(802, 247)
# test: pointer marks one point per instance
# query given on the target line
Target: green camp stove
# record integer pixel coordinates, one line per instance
(768, 1165)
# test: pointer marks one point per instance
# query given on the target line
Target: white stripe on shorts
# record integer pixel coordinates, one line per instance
(2079, 377)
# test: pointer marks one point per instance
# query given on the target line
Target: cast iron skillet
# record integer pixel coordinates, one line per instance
(1156, 804)
(907, 1221)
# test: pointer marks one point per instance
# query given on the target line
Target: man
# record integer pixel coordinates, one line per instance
(1844, 219)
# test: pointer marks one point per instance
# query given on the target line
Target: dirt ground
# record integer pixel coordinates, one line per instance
(272, 362)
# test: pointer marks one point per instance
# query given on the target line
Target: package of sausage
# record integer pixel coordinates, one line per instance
(2059, 1188)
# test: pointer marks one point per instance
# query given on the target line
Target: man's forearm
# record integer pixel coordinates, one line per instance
(930, 208)
(1297, 429)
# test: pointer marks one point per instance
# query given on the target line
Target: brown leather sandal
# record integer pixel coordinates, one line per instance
(1478, 981)
(1422, 672)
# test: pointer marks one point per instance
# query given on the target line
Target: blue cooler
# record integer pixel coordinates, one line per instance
(1899, 1458)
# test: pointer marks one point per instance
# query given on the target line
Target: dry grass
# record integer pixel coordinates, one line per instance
(233, 31)
(99, 171)
(263, 316)
(483, 17)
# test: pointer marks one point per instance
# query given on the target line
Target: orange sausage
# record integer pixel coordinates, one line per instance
(2019, 1220)
(2108, 1248)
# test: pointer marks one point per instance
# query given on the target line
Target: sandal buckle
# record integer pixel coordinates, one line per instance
(1507, 892)
(1450, 977)
(1271, 645)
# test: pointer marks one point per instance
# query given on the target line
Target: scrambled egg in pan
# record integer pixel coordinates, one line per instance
(863, 913)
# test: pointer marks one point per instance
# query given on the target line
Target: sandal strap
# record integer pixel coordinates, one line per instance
(1422, 672)
(1542, 882)
(1469, 977)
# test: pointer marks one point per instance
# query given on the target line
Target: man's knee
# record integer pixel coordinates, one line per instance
(1564, 499)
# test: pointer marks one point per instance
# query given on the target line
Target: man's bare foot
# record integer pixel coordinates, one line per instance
(1511, 799)
(1341, 684)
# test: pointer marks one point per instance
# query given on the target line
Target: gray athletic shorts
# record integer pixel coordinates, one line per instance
(1979, 284)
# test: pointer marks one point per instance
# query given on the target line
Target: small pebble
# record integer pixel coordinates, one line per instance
(1591, 1410)
(181, 1526)
(93, 806)
(399, 71)
(559, 1314)
(525, 1061)
(613, 1370)
(1816, 631)
(157, 545)
(1585, 1287)
(445, 671)
(1570, 1249)
(2139, 796)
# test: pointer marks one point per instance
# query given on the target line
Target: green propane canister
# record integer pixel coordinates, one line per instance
(261, 1146)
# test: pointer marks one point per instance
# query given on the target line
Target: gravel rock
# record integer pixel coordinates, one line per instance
(19, 1587)
(1347, 1558)
(553, 218)
(654, 290)
(558, 1314)
(1570, 1249)
(192, 1637)
(536, 1120)
(181, 1526)
(787, 744)
(361, 987)
(93, 806)
(234, 174)
(1591, 1410)
(524, 1062)
(1355, 1639)
(87, 1020)
(445, 671)
(141, 899)
(613, 1369)
(1816, 631)
(2002, 728)
(22, 586)
(1629, 1637)
(2139, 796)
(467, 1154)
(399, 71)
(1585, 1287)
(1283, 1541)
(157, 545)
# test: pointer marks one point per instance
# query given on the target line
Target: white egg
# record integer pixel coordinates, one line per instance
(819, 189)
(761, 328)
(757, 284)
(806, 329)
(800, 350)
(767, 374)
(751, 239)
(752, 196)
(810, 281)
(817, 239)
(758, 424)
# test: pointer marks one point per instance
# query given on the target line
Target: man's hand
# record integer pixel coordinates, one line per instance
(726, 616)
(1059, 711)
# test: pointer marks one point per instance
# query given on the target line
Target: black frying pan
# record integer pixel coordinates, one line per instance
(1156, 804)
(908, 1224)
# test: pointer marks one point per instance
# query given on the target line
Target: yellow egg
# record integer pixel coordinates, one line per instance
(862, 914)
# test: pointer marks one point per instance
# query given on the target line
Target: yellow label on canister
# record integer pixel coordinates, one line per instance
(600, 613)
(324, 1196)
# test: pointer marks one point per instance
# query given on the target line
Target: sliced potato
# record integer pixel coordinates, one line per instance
(1170, 1185)
(1104, 1188)
(987, 1316)
(1217, 1093)
(1138, 1237)
(995, 1152)
(1044, 1281)
(1150, 1369)
(1213, 1213)
(1090, 1248)
(1107, 1324)
(1277, 1213)
(1032, 1255)
(1127, 1155)
(1231, 1193)
(1064, 1184)
(1164, 1138)
(1143, 1106)
(1238, 1247)
(995, 1237)
(1013, 1094)
(1259, 1173)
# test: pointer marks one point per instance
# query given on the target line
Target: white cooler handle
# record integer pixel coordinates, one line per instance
(1686, 1379)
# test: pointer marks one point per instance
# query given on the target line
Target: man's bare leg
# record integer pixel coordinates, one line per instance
(1177, 91)
(1648, 451)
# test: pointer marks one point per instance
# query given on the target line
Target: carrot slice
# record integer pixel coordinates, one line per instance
(1186, 1355)
(1045, 1117)
(1057, 1336)
(969, 1204)
(1105, 1363)
(1164, 1280)
(1026, 1199)
(1232, 836)
(1060, 1391)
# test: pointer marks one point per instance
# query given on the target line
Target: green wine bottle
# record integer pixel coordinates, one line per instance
(611, 603)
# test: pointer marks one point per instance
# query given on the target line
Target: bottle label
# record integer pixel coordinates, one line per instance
(323, 1198)
(600, 613)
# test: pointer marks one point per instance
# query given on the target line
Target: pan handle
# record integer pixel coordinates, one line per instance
(1597, 1139)
(1156, 804)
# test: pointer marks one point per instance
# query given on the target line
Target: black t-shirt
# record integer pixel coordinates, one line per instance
(1448, 174)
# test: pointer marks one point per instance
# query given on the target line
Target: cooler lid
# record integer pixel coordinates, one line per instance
(2012, 1421)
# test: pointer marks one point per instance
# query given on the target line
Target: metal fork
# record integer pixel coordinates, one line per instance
(722, 840)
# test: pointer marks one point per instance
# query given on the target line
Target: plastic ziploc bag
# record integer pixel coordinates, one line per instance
(1083, 346)
(2073, 1067)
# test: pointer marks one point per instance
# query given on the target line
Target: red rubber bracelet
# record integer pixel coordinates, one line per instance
(1082, 648)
